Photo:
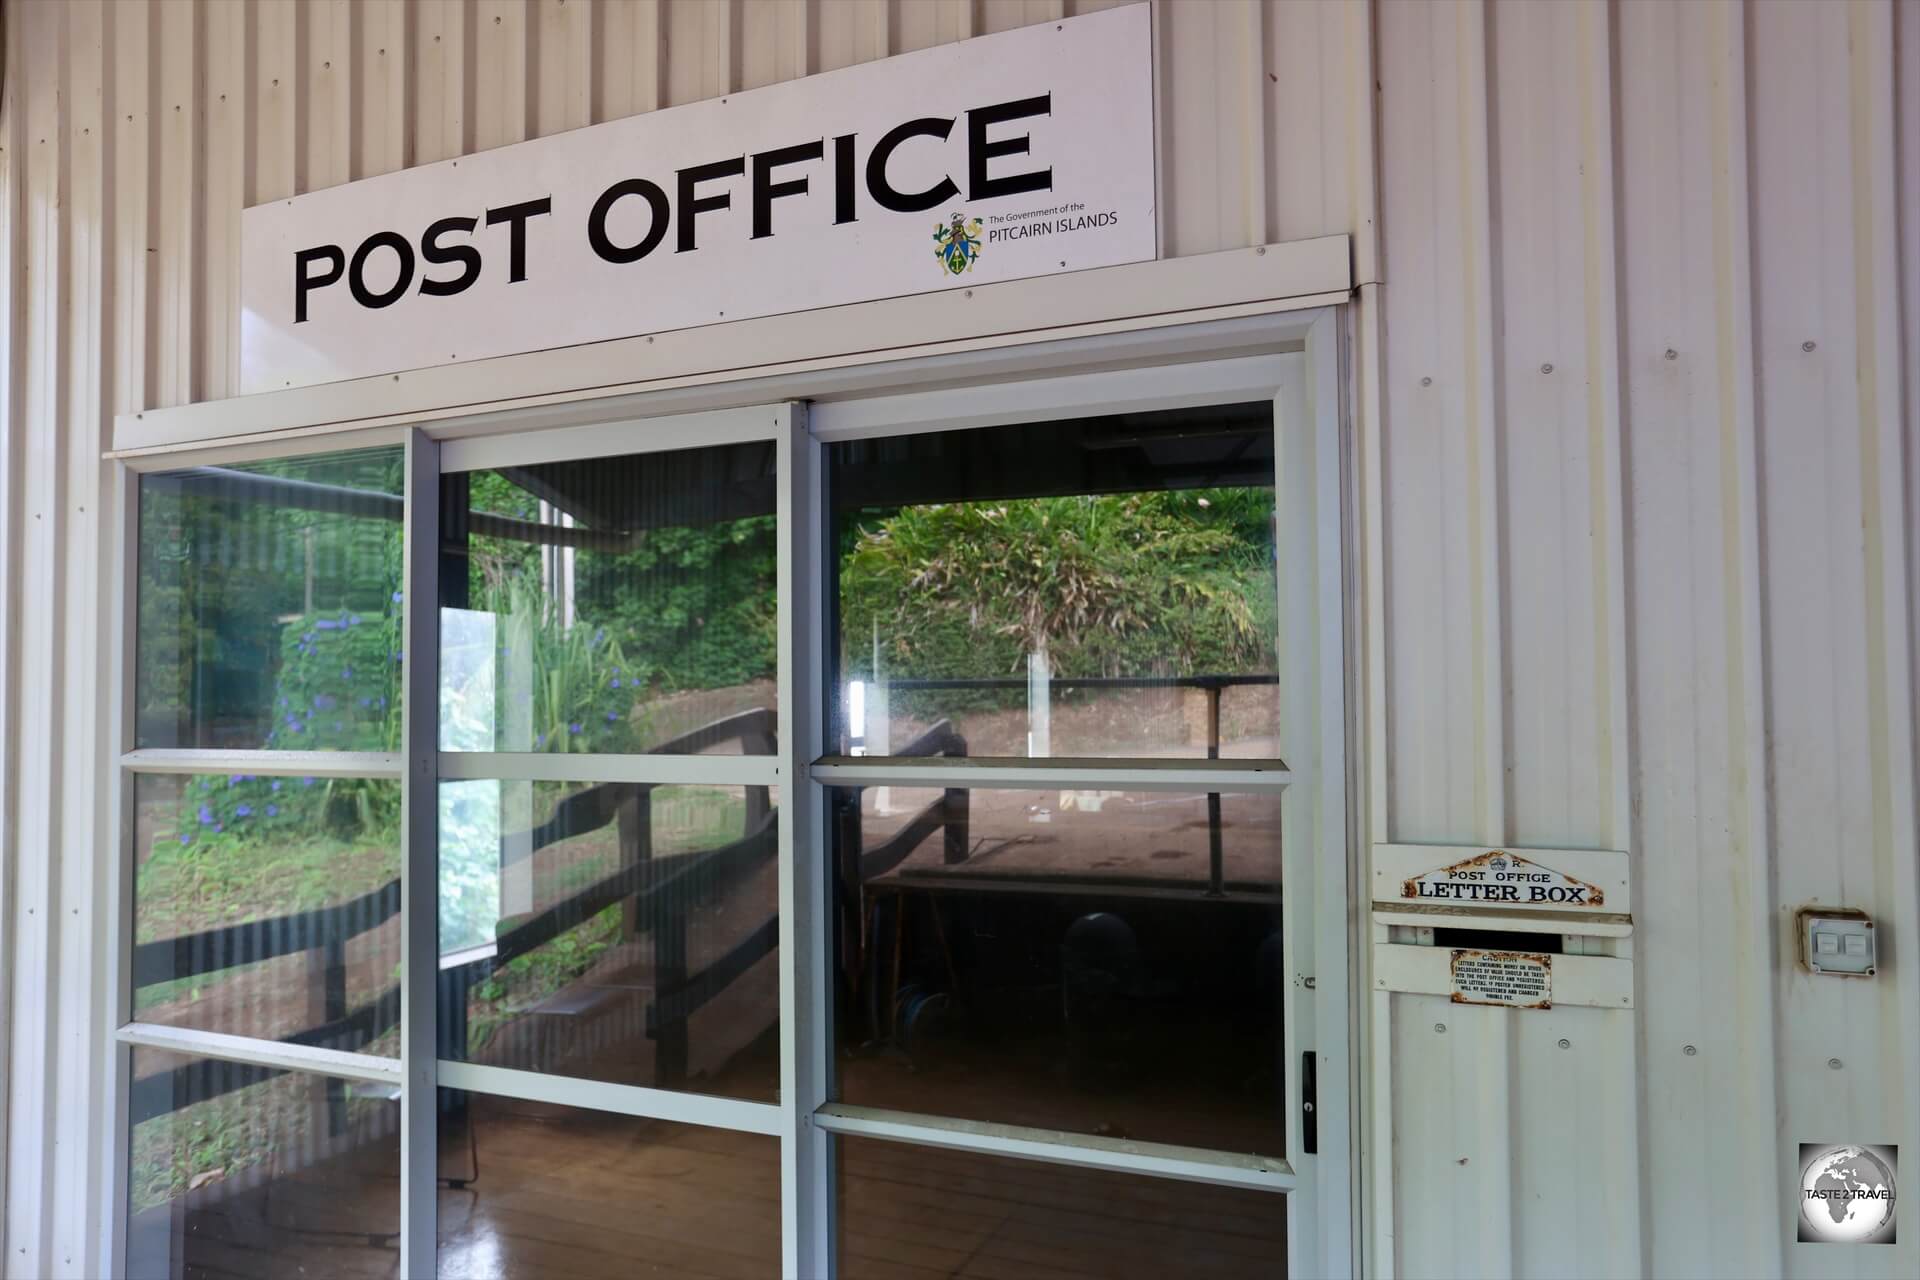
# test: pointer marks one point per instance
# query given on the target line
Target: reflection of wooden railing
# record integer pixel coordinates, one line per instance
(950, 815)
(1213, 686)
(949, 812)
(323, 929)
(658, 894)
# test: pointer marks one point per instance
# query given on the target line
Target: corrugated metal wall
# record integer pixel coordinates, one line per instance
(1647, 548)
(1633, 356)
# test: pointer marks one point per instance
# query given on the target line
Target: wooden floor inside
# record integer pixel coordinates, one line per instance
(543, 1191)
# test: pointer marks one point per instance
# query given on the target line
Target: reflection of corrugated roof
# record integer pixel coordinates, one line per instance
(1215, 446)
(609, 499)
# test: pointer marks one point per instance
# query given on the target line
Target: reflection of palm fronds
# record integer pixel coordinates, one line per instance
(1105, 584)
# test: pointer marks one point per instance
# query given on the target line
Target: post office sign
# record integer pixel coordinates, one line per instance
(1020, 154)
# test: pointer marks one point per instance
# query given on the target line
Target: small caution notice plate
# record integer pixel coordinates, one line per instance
(1518, 979)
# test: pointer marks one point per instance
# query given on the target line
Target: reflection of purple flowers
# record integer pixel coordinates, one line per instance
(614, 683)
(243, 811)
(612, 716)
(327, 624)
(397, 596)
(575, 727)
(366, 702)
(273, 811)
(206, 816)
(306, 782)
(346, 673)
(323, 702)
(186, 838)
(276, 784)
(539, 740)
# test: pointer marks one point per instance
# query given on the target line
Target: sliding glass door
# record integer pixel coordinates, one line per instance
(608, 803)
(1056, 788)
(876, 838)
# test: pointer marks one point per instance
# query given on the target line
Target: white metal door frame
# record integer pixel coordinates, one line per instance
(1309, 422)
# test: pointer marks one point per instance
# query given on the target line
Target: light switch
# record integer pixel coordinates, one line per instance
(1837, 941)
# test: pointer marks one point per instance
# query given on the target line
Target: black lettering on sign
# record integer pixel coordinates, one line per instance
(692, 205)
(766, 191)
(356, 270)
(656, 228)
(980, 150)
(883, 191)
(846, 177)
(432, 251)
(448, 257)
(516, 215)
(303, 282)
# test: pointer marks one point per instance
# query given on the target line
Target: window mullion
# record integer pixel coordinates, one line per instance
(419, 1056)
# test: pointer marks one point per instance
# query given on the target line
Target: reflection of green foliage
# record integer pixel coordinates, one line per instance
(337, 690)
(694, 607)
(574, 686)
(219, 578)
(1166, 583)
(276, 867)
(527, 980)
(222, 1137)
(684, 819)
(264, 625)
(687, 608)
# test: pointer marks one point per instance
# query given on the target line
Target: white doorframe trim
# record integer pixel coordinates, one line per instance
(1146, 295)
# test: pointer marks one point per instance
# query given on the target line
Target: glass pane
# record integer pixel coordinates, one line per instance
(269, 601)
(1099, 962)
(611, 605)
(622, 932)
(534, 1189)
(237, 1171)
(1095, 587)
(268, 907)
(908, 1212)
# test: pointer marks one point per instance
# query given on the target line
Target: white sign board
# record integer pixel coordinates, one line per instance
(1517, 979)
(1450, 878)
(1005, 157)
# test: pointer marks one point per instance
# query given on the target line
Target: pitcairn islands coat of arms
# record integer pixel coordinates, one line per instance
(959, 244)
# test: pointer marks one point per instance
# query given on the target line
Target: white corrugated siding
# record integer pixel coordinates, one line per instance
(1640, 564)
(1647, 555)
